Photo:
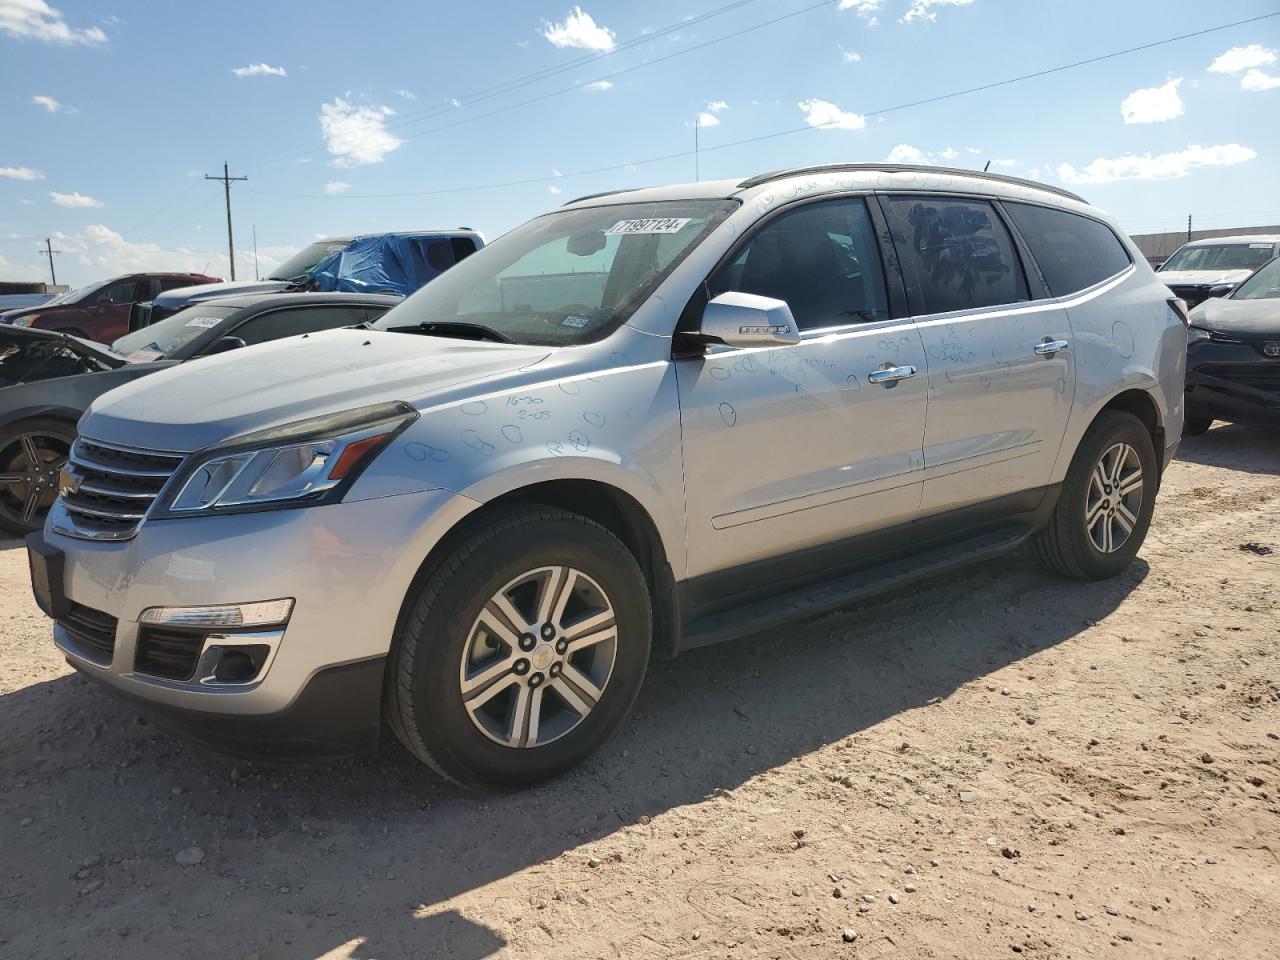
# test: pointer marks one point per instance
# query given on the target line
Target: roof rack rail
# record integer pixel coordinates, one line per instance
(905, 168)
(602, 193)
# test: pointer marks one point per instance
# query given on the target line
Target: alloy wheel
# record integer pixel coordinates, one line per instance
(1114, 500)
(538, 657)
(29, 468)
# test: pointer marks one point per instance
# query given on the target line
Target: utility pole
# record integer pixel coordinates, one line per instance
(1188, 228)
(226, 179)
(49, 252)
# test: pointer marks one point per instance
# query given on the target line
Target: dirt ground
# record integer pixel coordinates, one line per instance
(992, 764)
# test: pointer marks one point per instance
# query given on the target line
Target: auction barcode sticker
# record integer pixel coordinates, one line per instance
(206, 322)
(651, 225)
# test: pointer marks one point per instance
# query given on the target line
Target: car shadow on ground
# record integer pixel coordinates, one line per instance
(1236, 446)
(367, 855)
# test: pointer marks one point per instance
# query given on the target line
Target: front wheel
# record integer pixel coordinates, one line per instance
(1106, 501)
(521, 651)
(32, 453)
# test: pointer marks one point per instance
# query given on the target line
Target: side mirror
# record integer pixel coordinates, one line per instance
(746, 320)
(224, 344)
(1220, 290)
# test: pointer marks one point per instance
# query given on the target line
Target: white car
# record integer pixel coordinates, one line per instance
(1214, 267)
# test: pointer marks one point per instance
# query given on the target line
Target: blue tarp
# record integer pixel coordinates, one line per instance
(389, 263)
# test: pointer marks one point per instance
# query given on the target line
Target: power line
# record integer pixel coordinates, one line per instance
(780, 133)
(226, 179)
(516, 83)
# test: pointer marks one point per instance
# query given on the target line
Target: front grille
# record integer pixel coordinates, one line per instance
(116, 488)
(91, 632)
(1260, 376)
(169, 654)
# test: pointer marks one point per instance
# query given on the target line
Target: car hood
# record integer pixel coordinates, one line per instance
(181, 296)
(1259, 318)
(1202, 277)
(212, 399)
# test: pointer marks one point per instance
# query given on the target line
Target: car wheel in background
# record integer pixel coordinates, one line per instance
(521, 649)
(32, 453)
(1106, 501)
(1195, 425)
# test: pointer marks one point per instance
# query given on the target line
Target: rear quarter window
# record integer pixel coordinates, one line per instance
(1073, 252)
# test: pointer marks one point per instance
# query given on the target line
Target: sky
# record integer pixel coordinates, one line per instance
(366, 117)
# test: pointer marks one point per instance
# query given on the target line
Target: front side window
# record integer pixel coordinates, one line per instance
(293, 321)
(821, 258)
(1263, 285)
(1073, 252)
(1221, 256)
(962, 254)
(126, 292)
(568, 277)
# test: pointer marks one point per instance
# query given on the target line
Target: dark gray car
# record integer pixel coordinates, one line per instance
(1233, 355)
(48, 379)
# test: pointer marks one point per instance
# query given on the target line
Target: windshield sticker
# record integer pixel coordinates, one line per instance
(205, 322)
(1259, 246)
(651, 225)
(144, 356)
(575, 321)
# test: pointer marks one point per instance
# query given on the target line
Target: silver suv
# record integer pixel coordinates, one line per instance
(642, 423)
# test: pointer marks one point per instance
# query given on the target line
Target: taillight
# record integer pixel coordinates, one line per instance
(1179, 306)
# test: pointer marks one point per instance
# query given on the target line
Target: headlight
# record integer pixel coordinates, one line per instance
(26, 321)
(1196, 333)
(303, 464)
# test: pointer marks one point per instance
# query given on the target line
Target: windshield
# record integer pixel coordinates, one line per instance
(306, 260)
(1263, 285)
(172, 337)
(1221, 256)
(75, 296)
(566, 278)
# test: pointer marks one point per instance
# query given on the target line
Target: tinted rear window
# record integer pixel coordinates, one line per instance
(1073, 252)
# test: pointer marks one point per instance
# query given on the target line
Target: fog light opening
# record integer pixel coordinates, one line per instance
(240, 664)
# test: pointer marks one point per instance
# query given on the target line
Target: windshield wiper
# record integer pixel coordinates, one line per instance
(455, 328)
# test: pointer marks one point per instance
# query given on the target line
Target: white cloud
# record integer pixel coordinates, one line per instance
(355, 135)
(598, 85)
(1256, 80)
(337, 186)
(74, 200)
(1166, 166)
(905, 153)
(849, 56)
(455, 102)
(923, 9)
(1007, 162)
(50, 104)
(1239, 59)
(407, 94)
(259, 70)
(706, 119)
(578, 30)
(715, 106)
(867, 9)
(950, 153)
(37, 20)
(552, 188)
(823, 113)
(1153, 104)
(21, 173)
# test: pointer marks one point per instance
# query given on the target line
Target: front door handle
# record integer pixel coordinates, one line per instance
(891, 375)
(1049, 347)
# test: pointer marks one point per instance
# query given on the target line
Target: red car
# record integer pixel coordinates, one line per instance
(101, 312)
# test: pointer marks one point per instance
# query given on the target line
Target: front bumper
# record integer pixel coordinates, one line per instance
(1232, 381)
(348, 567)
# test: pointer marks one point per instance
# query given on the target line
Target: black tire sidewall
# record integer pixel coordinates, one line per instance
(441, 719)
(1118, 428)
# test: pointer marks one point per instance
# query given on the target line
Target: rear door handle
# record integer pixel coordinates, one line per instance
(1049, 347)
(891, 375)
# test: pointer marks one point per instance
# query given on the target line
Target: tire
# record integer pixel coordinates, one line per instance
(1067, 545)
(1195, 425)
(456, 631)
(25, 483)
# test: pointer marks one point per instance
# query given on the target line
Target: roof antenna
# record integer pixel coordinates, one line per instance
(987, 167)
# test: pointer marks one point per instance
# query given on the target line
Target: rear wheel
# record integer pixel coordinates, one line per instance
(1106, 501)
(1195, 425)
(522, 649)
(32, 453)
